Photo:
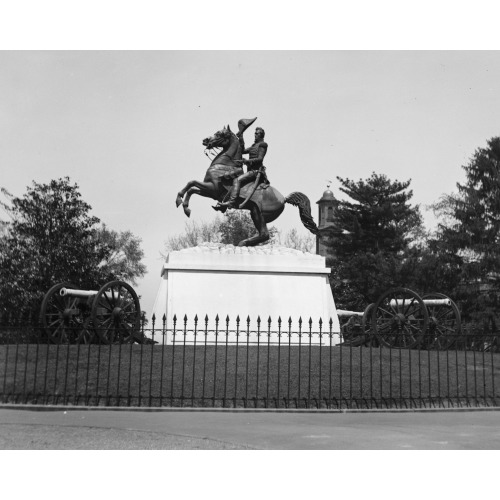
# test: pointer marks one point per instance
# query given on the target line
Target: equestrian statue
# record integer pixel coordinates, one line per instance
(227, 183)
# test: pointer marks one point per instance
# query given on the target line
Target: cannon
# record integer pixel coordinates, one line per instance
(401, 318)
(356, 327)
(108, 315)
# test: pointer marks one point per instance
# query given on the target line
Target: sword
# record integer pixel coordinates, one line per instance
(254, 187)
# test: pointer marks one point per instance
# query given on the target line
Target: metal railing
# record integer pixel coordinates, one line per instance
(245, 364)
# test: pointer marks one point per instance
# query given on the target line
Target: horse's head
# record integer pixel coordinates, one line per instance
(221, 139)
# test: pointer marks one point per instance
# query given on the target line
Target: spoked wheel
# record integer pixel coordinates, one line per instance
(445, 324)
(116, 313)
(371, 338)
(400, 318)
(61, 317)
(87, 333)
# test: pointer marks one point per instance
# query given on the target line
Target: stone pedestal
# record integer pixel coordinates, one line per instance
(269, 281)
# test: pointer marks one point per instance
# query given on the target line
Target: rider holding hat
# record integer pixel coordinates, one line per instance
(256, 153)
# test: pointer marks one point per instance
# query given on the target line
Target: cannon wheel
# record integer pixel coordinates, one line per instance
(445, 325)
(116, 313)
(60, 317)
(371, 338)
(400, 318)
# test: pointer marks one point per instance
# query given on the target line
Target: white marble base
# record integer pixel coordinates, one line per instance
(265, 281)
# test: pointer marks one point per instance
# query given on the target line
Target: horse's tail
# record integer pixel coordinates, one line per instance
(302, 201)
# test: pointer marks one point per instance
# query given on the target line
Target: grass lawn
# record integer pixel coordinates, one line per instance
(272, 376)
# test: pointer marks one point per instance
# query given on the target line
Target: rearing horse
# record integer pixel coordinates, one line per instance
(266, 203)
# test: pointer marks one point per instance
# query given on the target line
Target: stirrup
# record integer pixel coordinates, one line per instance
(220, 208)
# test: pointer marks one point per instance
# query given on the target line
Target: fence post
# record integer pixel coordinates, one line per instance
(194, 358)
(164, 320)
(236, 360)
(279, 362)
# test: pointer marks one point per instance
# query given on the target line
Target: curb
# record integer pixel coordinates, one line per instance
(23, 407)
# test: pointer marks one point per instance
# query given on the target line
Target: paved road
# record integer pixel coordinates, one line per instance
(234, 430)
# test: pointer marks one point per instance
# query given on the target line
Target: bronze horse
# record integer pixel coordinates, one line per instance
(266, 203)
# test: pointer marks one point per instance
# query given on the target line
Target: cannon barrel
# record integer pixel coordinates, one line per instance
(84, 294)
(427, 302)
(343, 313)
(77, 293)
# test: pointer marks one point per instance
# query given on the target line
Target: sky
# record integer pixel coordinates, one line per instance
(127, 126)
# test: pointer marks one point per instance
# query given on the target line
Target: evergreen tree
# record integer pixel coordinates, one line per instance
(379, 218)
(468, 239)
(475, 231)
(374, 228)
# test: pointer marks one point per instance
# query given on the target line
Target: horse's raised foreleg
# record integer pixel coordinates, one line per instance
(182, 192)
(190, 192)
(260, 225)
(206, 189)
(185, 203)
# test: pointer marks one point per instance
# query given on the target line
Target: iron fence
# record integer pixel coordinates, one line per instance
(245, 364)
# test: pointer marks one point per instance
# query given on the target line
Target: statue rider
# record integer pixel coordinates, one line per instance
(255, 169)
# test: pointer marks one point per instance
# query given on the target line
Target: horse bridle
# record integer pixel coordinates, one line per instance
(214, 150)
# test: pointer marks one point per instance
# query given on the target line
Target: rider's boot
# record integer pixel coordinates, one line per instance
(231, 203)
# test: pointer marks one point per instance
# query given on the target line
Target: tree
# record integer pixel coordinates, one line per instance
(236, 226)
(468, 236)
(292, 239)
(124, 260)
(372, 231)
(230, 229)
(51, 238)
(194, 234)
(475, 230)
(380, 218)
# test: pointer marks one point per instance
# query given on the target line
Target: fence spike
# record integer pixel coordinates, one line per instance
(164, 317)
(310, 321)
(320, 322)
(269, 321)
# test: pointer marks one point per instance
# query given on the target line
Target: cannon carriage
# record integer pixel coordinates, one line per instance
(400, 318)
(108, 315)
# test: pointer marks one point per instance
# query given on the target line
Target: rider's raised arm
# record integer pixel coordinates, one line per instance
(242, 142)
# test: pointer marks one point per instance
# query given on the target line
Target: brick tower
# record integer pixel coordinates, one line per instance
(327, 206)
